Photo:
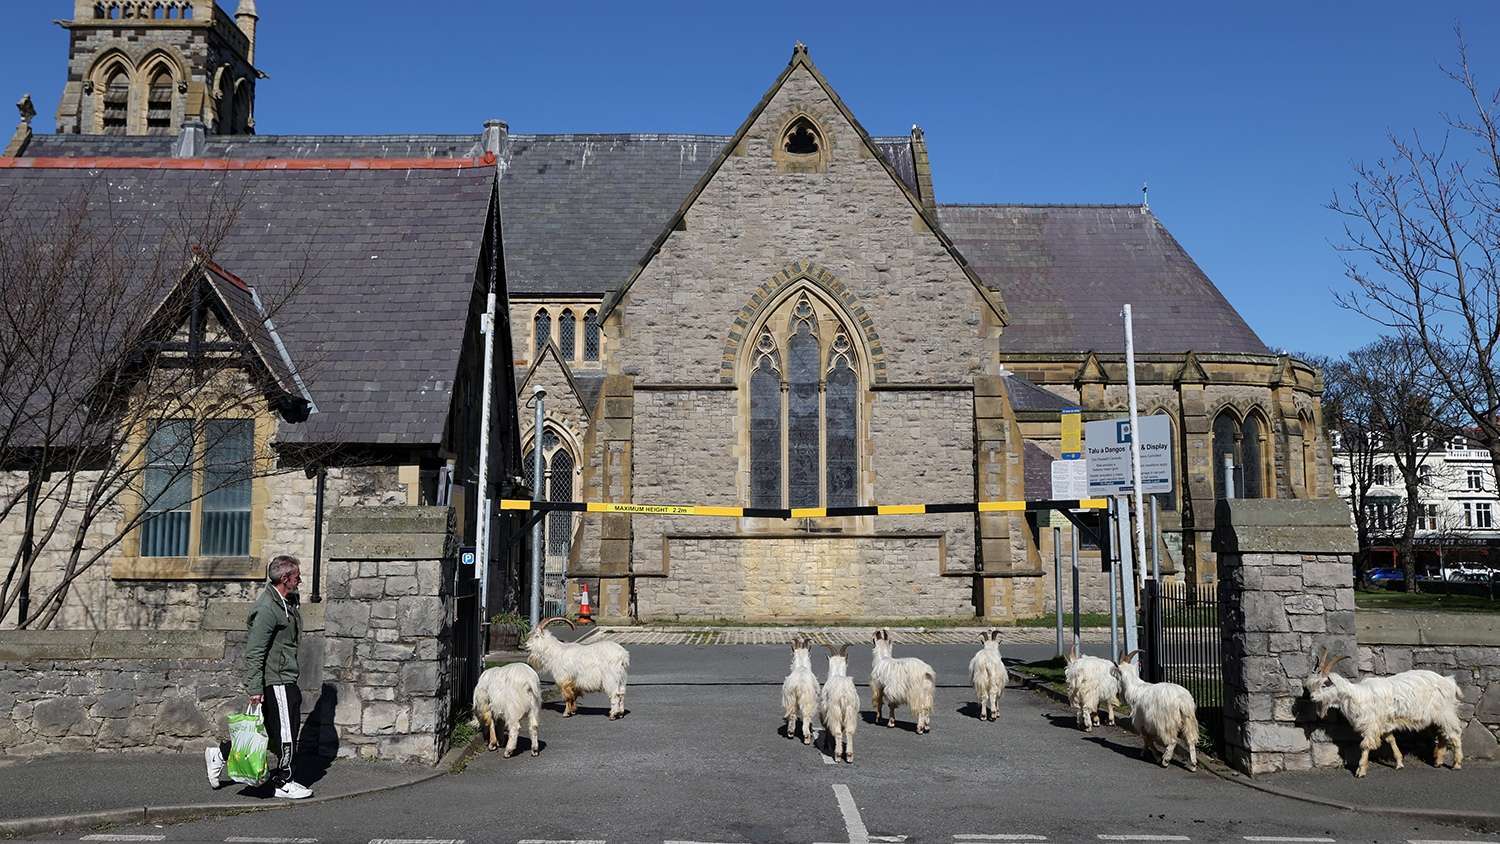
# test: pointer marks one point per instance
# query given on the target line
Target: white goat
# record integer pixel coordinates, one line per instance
(896, 681)
(987, 673)
(577, 669)
(799, 691)
(1091, 682)
(509, 693)
(1163, 714)
(1376, 707)
(839, 709)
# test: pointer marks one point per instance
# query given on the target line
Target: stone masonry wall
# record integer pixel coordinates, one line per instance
(1465, 647)
(1286, 590)
(122, 690)
(388, 649)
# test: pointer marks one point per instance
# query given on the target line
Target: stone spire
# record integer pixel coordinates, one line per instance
(246, 16)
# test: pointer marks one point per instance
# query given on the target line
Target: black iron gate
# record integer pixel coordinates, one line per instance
(1180, 643)
(467, 655)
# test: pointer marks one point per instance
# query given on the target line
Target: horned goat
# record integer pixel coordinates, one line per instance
(987, 673)
(799, 691)
(1376, 707)
(1163, 714)
(509, 693)
(839, 707)
(578, 669)
(1091, 682)
(896, 681)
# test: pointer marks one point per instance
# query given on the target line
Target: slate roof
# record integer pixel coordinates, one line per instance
(99, 146)
(1066, 270)
(1026, 396)
(1037, 471)
(387, 257)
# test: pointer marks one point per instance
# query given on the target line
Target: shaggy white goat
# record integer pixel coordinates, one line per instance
(1163, 714)
(987, 673)
(896, 681)
(509, 693)
(1376, 707)
(839, 709)
(577, 669)
(799, 691)
(1091, 681)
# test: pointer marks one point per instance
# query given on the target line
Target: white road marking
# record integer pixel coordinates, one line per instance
(108, 836)
(559, 841)
(857, 832)
(1288, 838)
(888, 839)
(240, 839)
(419, 841)
(1143, 837)
(1449, 841)
(1004, 836)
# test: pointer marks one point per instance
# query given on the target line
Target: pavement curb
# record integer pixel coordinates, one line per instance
(187, 811)
(1228, 774)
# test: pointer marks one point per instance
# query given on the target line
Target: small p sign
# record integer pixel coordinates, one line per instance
(467, 557)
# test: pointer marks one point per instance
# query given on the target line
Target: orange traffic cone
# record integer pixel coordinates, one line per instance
(585, 616)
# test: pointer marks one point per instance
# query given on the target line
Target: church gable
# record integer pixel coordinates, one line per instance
(801, 184)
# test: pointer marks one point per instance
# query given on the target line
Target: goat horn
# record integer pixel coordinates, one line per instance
(1073, 653)
(1333, 663)
(550, 619)
(1130, 657)
(844, 649)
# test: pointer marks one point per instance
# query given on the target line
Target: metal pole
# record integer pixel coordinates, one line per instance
(482, 528)
(1135, 441)
(540, 395)
(1127, 574)
(1155, 542)
(1112, 528)
(1057, 584)
(1077, 637)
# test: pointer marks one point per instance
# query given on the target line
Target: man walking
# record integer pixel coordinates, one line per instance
(270, 675)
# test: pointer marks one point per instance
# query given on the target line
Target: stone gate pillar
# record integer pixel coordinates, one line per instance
(388, 638)
(1286, 589)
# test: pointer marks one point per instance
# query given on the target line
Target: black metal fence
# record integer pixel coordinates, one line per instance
(467, 655)
(1180, 641)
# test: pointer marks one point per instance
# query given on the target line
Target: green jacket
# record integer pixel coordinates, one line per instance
(271, 649)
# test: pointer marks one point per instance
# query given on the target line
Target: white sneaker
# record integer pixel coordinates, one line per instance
(293, 791)
(214, 761)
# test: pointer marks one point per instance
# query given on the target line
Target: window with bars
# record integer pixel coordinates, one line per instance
(159, 102)
(196, 489)
(565, 334)
(542, 332)
(116, 101)
(557, 485)
(804, 413)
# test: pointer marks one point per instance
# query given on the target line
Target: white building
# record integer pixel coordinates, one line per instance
(1458, 515)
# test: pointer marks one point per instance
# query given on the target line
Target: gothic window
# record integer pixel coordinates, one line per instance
(802, 138)
(565, 326)
(543, 332)
(804, 418)
(765, 425)
(1239, 455)
(560, 488)
(116, 101)
(591, 335)
(159, 101)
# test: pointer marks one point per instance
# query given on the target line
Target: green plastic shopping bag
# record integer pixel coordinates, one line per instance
(247, 747)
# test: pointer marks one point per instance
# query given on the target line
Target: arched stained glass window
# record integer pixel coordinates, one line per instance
(802, 434)
(591, 335)
(765, 426)
(565, 332)
(1243, 443)
(1226, 433)
(842, 398)
(542, 332)
(560, 524)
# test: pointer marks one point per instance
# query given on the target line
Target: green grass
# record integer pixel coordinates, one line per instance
(1392, 600)
(1088, 619)
(1049, 671)
(462, 732)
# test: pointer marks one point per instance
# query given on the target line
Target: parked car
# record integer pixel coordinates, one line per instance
(1469, 573)
(1385, 577)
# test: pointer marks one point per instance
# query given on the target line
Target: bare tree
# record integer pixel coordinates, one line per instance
(115, 386)
(1422, 247)
(1346, 413)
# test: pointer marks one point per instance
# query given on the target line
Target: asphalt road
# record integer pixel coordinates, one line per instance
(700, 758)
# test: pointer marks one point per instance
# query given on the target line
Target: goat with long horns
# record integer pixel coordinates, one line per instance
(578, 669)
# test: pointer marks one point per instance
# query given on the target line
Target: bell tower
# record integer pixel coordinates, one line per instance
(146, 67)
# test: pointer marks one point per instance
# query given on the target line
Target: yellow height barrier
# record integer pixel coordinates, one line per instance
(801, 512)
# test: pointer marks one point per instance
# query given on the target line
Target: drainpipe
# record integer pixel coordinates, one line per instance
(317, 578)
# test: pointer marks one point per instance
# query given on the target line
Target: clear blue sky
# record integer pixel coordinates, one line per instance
(1244, 117)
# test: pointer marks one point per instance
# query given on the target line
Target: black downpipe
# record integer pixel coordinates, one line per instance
(317, 561)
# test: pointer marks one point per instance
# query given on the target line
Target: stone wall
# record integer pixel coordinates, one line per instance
(1465, 647)
(1286, 591)
(123, 690)
(388, 646)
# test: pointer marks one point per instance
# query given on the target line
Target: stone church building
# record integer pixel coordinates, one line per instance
(785, 316)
